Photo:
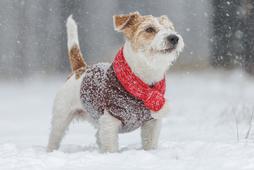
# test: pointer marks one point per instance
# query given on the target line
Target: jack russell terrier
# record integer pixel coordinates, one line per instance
(124, 95)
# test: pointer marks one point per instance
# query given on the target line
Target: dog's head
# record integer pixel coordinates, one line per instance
(150, 35)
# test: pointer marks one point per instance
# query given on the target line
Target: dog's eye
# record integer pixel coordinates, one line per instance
(150, 30)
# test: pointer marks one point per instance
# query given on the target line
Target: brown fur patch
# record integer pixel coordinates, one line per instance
(78, 65)
(136, 33)
(123, 21)
(78, 73)
(76, 58)
(120, 21)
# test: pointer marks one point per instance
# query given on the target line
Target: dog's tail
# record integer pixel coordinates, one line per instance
(75, 55)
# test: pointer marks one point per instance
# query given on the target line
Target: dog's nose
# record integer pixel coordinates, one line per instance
(173, 39)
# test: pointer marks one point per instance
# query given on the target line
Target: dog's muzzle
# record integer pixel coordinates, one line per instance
(172, 42)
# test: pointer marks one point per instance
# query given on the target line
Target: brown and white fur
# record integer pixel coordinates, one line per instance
(148, 51)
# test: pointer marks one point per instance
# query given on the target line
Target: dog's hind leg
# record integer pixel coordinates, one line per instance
(150, 132)
(66, 106)
(60, 123)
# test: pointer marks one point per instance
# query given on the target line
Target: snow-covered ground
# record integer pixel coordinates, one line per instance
(207, 128)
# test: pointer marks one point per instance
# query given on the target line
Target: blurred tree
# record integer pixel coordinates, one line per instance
(226, 40)
(12, 24)
(249, 35)
(19, 58)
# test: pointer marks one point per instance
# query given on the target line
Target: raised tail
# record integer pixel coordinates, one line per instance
(75, 55)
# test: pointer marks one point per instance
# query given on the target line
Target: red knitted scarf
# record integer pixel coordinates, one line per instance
(152, 96)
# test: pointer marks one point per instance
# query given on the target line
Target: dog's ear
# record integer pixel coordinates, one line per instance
(123, 21)
(165, 21)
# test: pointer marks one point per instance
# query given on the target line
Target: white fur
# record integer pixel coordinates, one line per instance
(107, 136)
(72, 33)
(148, 69)
(66, 105)
(150, 132)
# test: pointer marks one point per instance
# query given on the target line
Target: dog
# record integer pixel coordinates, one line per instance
(124, 95)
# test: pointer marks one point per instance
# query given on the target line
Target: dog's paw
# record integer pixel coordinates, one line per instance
(163, 112)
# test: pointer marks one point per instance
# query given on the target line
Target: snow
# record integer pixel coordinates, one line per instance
(206, 129)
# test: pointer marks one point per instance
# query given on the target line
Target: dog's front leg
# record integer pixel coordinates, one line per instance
(150, 132)
(107, 135)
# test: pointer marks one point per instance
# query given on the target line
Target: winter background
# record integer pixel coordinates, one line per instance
(210, 88)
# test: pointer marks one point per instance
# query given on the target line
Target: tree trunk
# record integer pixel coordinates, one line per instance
(226, 37)
(249, 36)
